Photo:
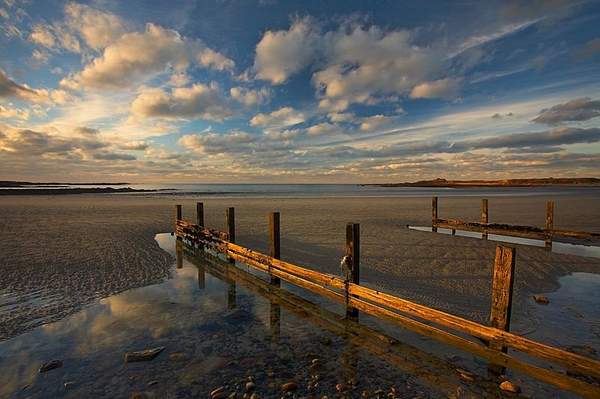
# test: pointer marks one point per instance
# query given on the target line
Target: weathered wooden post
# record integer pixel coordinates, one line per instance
(177, 216)
(434, 213)
(275, 241)
(549, 223)
(200, 214)
(352, 263)
(230, 221)
(502, 294)
(484, 217)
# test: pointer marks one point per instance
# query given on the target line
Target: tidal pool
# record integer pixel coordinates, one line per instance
(223, 325)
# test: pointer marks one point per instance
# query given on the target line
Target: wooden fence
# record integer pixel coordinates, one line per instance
(546, 233)
(494, 341)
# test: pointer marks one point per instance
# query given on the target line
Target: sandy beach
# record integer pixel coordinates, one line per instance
(60, 254)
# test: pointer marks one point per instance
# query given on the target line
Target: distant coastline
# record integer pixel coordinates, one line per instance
(66, 191)
(18, 184)
(539, 182)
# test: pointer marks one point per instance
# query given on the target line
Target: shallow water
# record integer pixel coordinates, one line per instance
(557, 247)
(220, 324)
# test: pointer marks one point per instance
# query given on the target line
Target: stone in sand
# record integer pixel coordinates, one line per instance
(218, 393)
(250, 387)
(541, 299)
(143, 356)
(289, 386)
(508, 386)
(51, 365)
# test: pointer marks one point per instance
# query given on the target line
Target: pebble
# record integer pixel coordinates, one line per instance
(250, 386)
(51, 365)
(340, 387)
(465, 375)
(508, 386)
(143, 356)
(254, 396)
(69, 384)
(541, 299)
(217, 393)
(289, 386)
(153, 382)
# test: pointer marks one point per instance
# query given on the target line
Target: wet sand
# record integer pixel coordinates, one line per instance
(60, 254)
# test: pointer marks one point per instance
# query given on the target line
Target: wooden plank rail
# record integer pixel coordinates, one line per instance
(386, 306)
(545, 234)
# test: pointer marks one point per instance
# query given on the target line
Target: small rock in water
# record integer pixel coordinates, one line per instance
(153, 382)
(289, 386)
(51, 365)
(508, 386)
(250, 387)
(143, 356)
(541, 299)
(218, 393)
(466, 375)
(69, 384)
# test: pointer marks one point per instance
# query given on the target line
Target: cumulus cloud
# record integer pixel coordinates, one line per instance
(280, 54)
(135, 146)
(374, 122)
(215, 143)
(198, 101)
(97, 28)
(11, 112)
(55, 37)
(27, 142)
(138, 55)
(322, 129)
(443, 88)
(211, 59)
(580, 109)
(283, 117)
(250, 97)
(9, 88)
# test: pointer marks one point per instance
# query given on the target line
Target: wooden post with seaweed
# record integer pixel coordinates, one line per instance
(502, 294)
(549, 223)
(178, 215)
(275, 241)
(434, 213)
(484, 216)
(352, 263)
(230, 222)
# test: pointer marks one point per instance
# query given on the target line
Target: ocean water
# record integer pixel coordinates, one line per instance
(353, 190)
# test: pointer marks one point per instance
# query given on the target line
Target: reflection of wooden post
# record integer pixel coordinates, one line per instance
(549, 223)
(179, 253)
(352, 261)
(434, 213)
(231, 300)
(502, 292)
(275, 241)
(201, 277)
(230, 221)
(177, 215)
(275, 318)
(484, 217)
(200, 214)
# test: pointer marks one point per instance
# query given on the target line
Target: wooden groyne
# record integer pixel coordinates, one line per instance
(484, 227)
(491, 342)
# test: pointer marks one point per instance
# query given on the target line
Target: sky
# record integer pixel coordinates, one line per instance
(273, 91)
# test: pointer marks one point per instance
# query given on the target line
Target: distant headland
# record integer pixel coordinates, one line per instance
(10, 187)
(539, 182)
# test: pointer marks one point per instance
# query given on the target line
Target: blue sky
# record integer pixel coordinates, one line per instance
(281, 91)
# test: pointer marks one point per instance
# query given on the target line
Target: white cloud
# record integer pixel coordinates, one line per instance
(283, 117)
(197, 101)
(374, 122)
(136, 56)
(43, 36)
(322, 129)
(250, 97)
(16, 113)
(280, 54)
(55, 37)
(97, 28)
(443, 88)
(215, 143)
(211, 59)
